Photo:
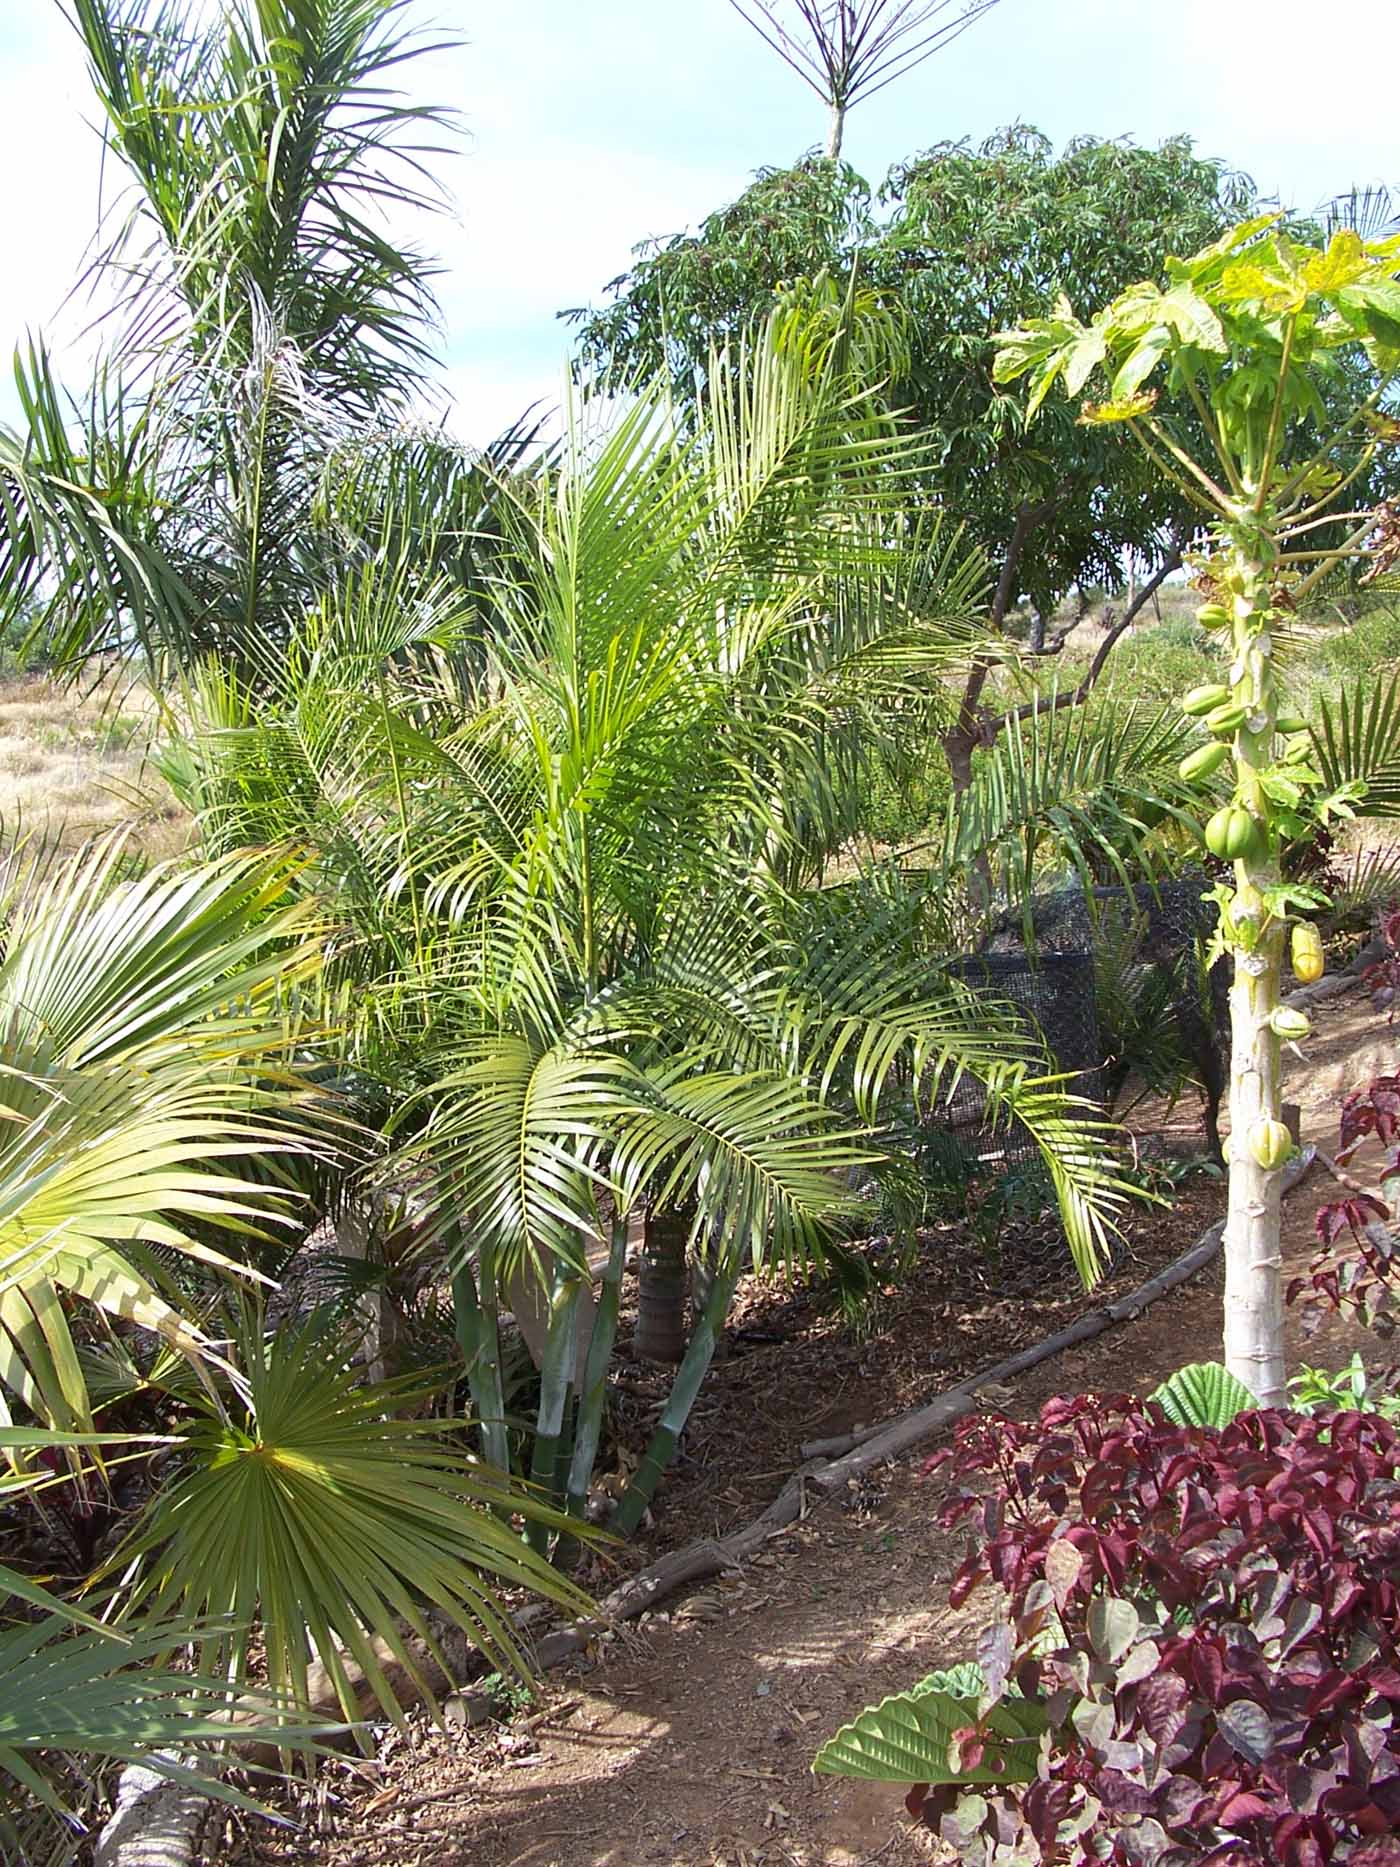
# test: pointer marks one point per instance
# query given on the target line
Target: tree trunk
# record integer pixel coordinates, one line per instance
(709, 1326)
(661, 1332)
(835, 131)
(1253, 1252)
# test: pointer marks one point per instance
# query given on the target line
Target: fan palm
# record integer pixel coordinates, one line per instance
(72, 1685)
(584, 884)
(150, 1088)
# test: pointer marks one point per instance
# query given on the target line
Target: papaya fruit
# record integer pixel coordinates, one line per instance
(1198, 765)
(1270, 1143)
(1232, 834)
(1204, 699)
(1305, 950)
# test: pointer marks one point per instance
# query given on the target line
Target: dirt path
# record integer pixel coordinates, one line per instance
(689, 1740)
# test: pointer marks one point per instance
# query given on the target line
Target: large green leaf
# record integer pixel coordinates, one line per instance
(908, 1737)
(353, 1517)
(150, 1089)
(1203, 1394)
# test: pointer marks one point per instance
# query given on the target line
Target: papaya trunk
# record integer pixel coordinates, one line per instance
(689, 1376)
(1253, 1247)
(662, 1286)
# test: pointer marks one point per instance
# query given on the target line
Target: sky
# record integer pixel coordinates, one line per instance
(592, 125)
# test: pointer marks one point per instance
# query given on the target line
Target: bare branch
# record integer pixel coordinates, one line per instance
(1052, 703)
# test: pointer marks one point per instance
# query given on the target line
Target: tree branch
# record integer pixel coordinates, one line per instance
(1052, 703)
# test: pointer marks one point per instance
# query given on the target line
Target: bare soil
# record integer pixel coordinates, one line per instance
(688, 1739)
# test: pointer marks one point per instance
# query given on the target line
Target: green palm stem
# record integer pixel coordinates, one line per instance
(593, 1400)
(476, 1317)
(684, 1389)
(556, 1383)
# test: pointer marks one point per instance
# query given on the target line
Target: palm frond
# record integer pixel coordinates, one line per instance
(355, 1520)
(1356, 742)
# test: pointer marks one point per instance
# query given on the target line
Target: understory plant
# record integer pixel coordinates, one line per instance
(1196, 1661)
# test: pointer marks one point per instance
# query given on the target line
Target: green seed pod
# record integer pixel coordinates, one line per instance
(1198, 765)
(1270, 1143)
(1226, 721)
(1287, 723)
(1204, 699)
(1213, 616)
(1305, 950)
(1232, 834)
(1288, 1024)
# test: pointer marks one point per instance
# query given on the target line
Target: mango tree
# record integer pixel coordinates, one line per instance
(1258, 334)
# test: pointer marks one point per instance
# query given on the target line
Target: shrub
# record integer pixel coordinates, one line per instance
(1208, 1622)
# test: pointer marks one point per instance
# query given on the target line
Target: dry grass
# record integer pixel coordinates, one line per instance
(74, 762)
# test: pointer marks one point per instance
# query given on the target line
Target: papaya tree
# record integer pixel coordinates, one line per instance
(1257, 335)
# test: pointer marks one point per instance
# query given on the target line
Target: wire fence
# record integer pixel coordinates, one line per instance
(1115, 985)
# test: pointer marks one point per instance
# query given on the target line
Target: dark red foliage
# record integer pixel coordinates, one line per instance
(1211, 1620)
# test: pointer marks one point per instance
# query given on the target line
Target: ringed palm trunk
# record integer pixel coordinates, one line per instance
(661, 1292)
(1253, 1248)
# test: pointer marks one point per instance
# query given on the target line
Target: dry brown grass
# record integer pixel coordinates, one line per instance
(74, 762)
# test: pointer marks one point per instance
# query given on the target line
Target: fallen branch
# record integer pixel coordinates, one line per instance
(890, 1437)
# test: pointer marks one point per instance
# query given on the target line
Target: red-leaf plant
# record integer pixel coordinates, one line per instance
(1354, 1269)
(1210, 1620)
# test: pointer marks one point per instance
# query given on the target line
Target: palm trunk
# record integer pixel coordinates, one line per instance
(689, 1376)
(594, 1396)
(835, 130)
(556, 1381)
(1253, 1250)
(476, 1317)
(661, 1286)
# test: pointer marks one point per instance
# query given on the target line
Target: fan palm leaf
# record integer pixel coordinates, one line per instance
(356, 1522)
(151, 1060)
(1356, 743)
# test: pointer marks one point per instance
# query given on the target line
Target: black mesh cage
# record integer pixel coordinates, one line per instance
(1054, 994)
(1112, 983)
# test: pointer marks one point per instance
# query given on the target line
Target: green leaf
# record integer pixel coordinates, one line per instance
(1203, 1394)
(354, 1515)
(907, 1737)
(1113, 1624)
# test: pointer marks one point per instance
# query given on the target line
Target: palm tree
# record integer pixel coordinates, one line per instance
(262, 319)
(154, 1094)
(591, 942)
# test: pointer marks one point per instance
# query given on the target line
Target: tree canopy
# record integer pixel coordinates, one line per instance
(959, 242)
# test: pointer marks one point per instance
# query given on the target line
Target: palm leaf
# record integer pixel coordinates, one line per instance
(355, 1520)
(152, 1072)
(1356, 743)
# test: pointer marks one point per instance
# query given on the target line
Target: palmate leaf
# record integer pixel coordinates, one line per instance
(908, 1737)
(1203, 1394)
(100, 1694)
(352, 1521)
(151, 1044)
(1356, 742)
